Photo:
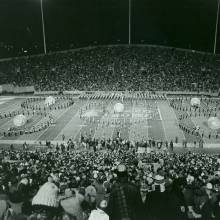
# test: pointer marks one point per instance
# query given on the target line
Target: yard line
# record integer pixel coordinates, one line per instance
(100, 122)
(5, 98)
(184, 138)
(70, 121)
(147, 126)
(114, 125)
(162, 123)
(75, 117)
(12, 107)
(135, 127)
(59, 116)
(130, 128)
(80, 126)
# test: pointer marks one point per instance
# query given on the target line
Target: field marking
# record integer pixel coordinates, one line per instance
(131, 136)
(184, 138)
(134, 129)
(100, 124)
(107, 115)
(5, 98)
(70, 121)
(15, 106)
(81, 125)
(114, 125)
(77, 125)
(162, 123)
(58, 117)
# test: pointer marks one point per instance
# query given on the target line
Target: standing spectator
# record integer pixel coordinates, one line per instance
(171, 145)
(156, 200)
(63, 137)
(125, 200)
(176, 204)
(207, 206)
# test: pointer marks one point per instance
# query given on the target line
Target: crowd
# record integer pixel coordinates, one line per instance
(111, 183)
(114, 69)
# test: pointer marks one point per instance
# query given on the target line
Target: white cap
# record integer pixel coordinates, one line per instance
(159, 179)
(103, 204)
(209, 186)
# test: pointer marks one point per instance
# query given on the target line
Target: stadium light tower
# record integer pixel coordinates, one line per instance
(216, 27)
(129, 22)
(43, 28)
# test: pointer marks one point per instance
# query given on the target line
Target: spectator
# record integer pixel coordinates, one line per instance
(125, 199)
(99, 213)
(72, 204)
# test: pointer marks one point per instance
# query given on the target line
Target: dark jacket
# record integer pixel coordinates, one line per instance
(125, 202)
(154, 207)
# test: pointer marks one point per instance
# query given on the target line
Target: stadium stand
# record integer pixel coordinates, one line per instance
(114, 68)
(112, 178)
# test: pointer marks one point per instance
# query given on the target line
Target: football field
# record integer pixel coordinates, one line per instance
(140, 120)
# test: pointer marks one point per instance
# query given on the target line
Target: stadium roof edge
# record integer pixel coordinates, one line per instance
(110, 45)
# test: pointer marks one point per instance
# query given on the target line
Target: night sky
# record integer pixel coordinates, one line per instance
(187, 24)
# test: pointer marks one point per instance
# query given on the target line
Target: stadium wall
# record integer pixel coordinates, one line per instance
(10, 89)
(172, 93)
(216, 94)
(46, 92)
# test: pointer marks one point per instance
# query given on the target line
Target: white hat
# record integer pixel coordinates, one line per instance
(209, 186)
(103, 204)
(46, 195)
(190, 179)
(158, 179)
(121, 168)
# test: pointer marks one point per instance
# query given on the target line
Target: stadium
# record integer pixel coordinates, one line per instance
(109, 110)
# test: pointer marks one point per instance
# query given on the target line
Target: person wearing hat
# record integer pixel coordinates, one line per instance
(143, 190)
(156, 200)
(46, 200)
(99, 213)
(24, 187)
(125, 199)
(72, 203)
(176, 205)
(207, 205)
(90, 195)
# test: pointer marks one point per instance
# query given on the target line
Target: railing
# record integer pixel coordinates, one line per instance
(11, 89)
